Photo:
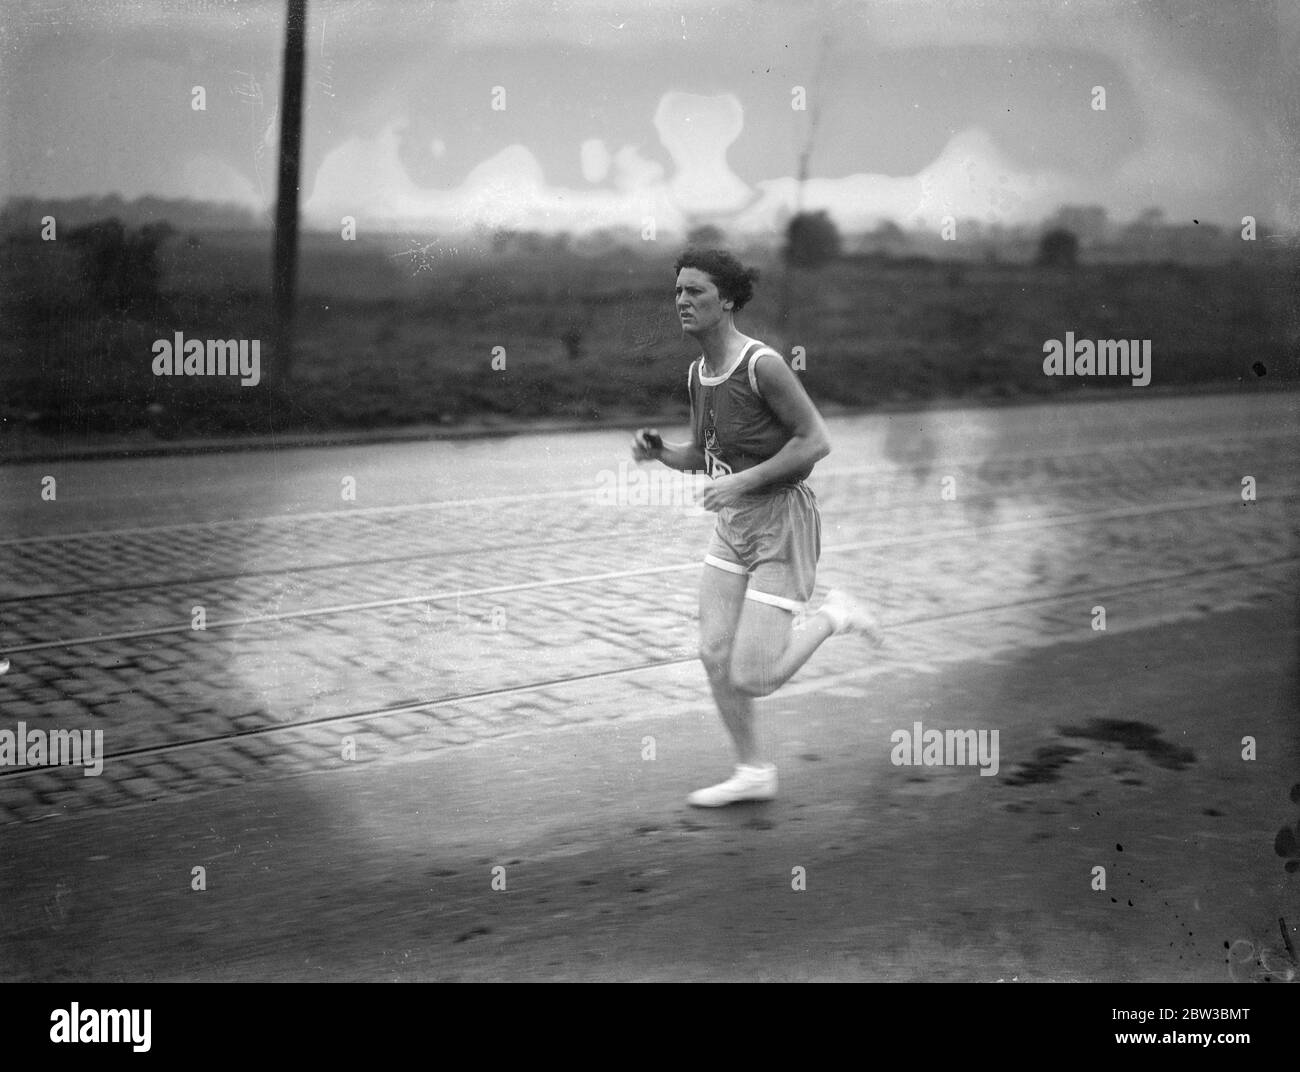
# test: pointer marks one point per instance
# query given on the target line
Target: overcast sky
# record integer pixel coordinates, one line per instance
(616, 110)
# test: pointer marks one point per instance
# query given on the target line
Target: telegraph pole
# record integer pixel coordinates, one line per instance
(805, 156)
(285, 267)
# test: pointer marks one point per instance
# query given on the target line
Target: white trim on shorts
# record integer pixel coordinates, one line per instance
(792, 605)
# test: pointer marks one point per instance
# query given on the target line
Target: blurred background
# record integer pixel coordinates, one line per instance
(931, 190)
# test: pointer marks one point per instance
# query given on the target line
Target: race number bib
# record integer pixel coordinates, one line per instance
(713, 463)
(715, 466)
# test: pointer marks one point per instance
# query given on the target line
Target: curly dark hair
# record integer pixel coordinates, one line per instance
(733, 280)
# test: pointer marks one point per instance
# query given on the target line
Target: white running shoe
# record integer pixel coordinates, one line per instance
(748, 783)
(848, 615)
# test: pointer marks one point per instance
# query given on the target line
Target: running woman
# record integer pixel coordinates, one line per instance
(758, 435)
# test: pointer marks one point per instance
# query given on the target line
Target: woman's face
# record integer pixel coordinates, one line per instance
(699, 305)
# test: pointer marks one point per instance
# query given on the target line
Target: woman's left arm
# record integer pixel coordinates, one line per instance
(808, 442)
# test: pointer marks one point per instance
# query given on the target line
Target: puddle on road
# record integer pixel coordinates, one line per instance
(1045, 765)
(1134, 736)
(1137, 737)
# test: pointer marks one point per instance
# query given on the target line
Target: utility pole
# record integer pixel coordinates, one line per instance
(805, 155)
(285, 267)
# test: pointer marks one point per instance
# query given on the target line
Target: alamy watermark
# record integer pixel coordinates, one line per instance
(180, 356)
(53, 748)
(76, 1024)
(634, 486)
(1105, 357)
(945, 748)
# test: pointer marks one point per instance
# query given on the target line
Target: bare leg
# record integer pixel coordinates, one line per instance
(722, 598)
(768, 651)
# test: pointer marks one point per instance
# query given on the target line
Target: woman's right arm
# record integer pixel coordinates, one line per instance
(686, 456)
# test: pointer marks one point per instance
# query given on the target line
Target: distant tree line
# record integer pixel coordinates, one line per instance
(23, 215)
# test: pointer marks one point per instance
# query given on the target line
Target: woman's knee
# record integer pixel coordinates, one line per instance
(715, 654)
(751, 676)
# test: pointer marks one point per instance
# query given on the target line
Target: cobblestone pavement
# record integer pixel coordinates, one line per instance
(403, 629)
